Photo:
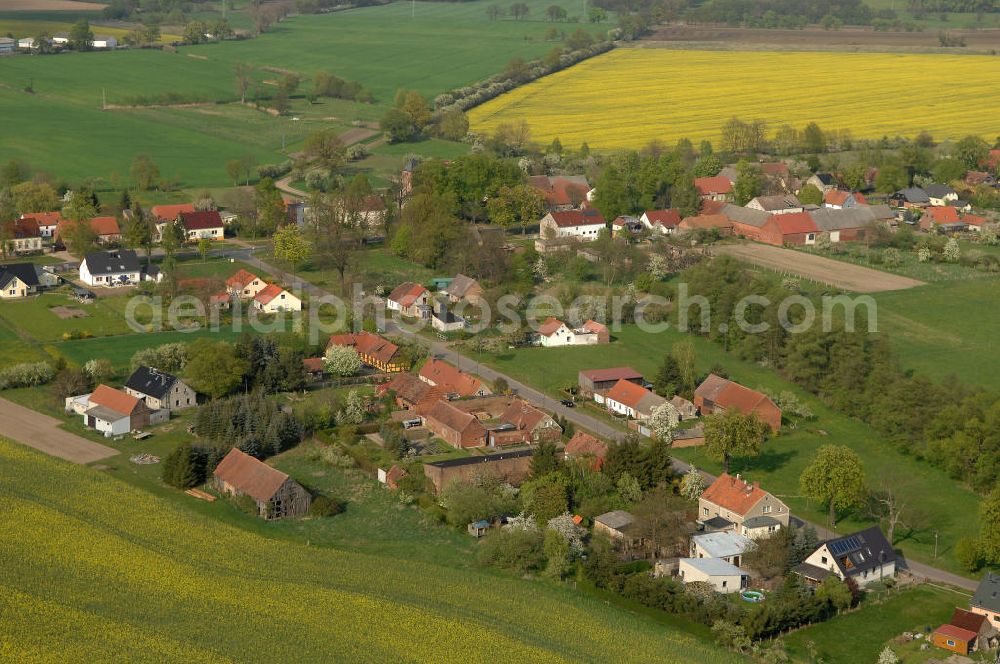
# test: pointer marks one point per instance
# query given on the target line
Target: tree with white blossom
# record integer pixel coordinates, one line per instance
(570, 531)
(663, 421)
(692, 484)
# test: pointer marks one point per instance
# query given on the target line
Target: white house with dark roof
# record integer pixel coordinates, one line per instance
(160, 390)
(986, 601)
(23, 279)
(111, 268)
(865, 557)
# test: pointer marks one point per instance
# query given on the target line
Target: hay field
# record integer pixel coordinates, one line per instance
(628, 97)
(98, 570)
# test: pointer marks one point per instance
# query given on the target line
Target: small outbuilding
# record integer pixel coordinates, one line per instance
(276, 494)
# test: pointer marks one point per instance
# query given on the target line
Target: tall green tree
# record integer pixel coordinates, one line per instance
(836, 477)
(291, 246)
(971, 151)
(213, 368)
(989, 520)
(733, 434)
(81, 37)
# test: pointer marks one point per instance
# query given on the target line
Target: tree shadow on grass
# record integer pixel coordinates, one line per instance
(769, 461)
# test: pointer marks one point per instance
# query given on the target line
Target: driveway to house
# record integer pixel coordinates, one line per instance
(579, 418)
(817, 268)
(42, 432)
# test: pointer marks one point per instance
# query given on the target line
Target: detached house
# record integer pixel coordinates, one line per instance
(842, 200)
(584, 446)
(106, 229)
(22, 236)
(722, 576)
(732, 504)
(986, 601)
(717, 394)
(47, 222)
(276, 494)
(725, 545)
(940, 194)
(160, 390)
(553, 332)
(244, 285)
(438, 373)
(107, 268)
(410, 299)
(23, 279)
(373, 350)
(865, 557)
(632, 400)
(664, 222)
(583, 225)
(561, 192)
(966, 633)
(204, 224)
(273, 299)
(717, 188)
(463, 288)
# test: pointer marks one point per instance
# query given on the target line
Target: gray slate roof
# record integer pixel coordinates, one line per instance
(828, 219)
(988, 593)
(938, 190)
(460, 286)
(744, 215)
(112, 262)
(867, 549)
(914, 195)
(778, 202)
(760, 522)
(26, 272)
(714, 566)
(151, 382)
(615, 520)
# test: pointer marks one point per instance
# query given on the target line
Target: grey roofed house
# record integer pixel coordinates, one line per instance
(914, 195)
(938, 190)
(615, 520)
(717, 523)
(812, 572)
(866, 550)
(112, 262)
(460, 285)
(826, 178)
(151, 382)
(829, 219)
(987, 593)
(882, 212)
(714, 567)
(722, 544)
(743, 215)
(26, 272)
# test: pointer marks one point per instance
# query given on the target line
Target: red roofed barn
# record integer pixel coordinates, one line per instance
(717, 394)
(276, 494)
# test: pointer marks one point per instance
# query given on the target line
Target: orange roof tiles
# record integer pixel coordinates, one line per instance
(171, 212)
(268, 293)
(583, 444)
(718, 184)
(549, 326)
(450, 378)
(733, 494)
(116, 400)
(628, 394)
(241, 279)
(250, 476)
(407, 293)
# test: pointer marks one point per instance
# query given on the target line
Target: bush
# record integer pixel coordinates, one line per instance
(967, 554)
(325, 506)
(516, 550)
(28, 374)
(274, 171)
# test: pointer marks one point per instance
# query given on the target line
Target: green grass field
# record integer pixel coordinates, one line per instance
(945, 329)
(99, 569)
(34, 318)
(432, 48)
(871, 626)
(934, 495)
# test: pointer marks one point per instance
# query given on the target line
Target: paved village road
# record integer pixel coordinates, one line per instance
(31, 428)
(574, 415)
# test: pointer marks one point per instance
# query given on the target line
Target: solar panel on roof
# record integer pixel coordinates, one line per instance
(840, 547)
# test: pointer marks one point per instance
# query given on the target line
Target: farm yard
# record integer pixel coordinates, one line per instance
(93, 549)
(675, 94)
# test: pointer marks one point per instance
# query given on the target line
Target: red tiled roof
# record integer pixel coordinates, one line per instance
(976, 177)
(367, 343)
(198, 221)
(956, 633)
(582, 443)
(666, 218)
(394, 475)
(729, 394)
(628, 394)
(796, 222)
(860, 199)
(574, 218)
(712, 207)
(105, 226)
(733, 494)
(595, 327)
(974, 220)
(522, 415)
(250, 476)
(967, 620)
(407, 293)
(116, 400)
(993, 160)
(241, 279)
(774, 168)
(22, 229)
(718, 184)
(549, 326)
(268, 293)
(945, 214)
(171, 212)
(314, 364)
(616, 373)
(706, 221)
(558, 190)
(451, 417)
(44, 218)
(450, 378)
(836, 197)
(407, 387)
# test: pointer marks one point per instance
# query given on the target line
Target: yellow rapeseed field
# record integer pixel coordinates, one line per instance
(629, 97)
(96, 570)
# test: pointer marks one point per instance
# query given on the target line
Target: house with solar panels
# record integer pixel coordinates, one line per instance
(865, 557)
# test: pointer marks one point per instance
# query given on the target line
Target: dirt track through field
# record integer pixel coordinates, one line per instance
(824, 270)
(42, 432)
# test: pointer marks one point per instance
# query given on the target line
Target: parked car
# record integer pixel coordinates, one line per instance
(568, 403)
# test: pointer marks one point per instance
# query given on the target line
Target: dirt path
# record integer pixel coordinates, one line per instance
(824, 270)
(42, 432)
